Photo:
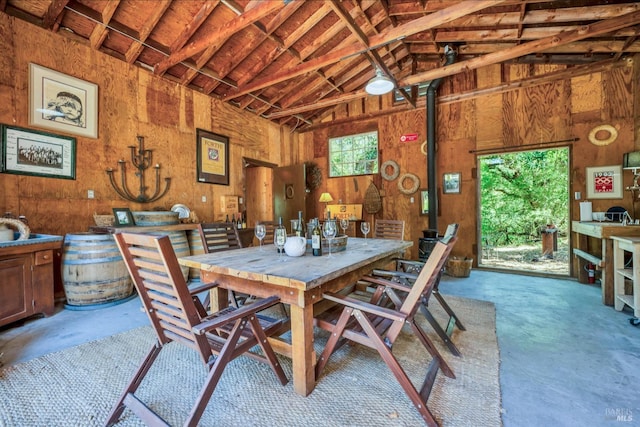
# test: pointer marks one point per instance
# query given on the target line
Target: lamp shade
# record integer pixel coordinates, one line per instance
(379, 85)
(326, 198)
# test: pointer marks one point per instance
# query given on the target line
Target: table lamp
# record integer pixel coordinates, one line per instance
(325, 198)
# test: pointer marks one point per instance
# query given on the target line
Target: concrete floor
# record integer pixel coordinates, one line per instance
(566, 359)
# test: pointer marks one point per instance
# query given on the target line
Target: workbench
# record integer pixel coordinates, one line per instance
(593, 243)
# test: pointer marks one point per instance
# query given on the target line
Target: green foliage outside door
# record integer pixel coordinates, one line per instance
(521, 193)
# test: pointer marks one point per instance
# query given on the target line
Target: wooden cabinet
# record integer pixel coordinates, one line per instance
(26, 287)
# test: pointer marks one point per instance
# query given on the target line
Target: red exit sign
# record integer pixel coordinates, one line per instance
(408, 137)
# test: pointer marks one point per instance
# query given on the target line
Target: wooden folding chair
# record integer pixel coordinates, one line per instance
(388, 229)
(377, 324)
(177, 316)
(218, 237)
(408, 273)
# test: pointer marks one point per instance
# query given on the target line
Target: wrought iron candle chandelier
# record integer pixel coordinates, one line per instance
(141, 160)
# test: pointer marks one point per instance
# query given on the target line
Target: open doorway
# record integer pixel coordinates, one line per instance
(524, 211)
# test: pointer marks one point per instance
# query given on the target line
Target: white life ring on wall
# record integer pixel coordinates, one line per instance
(613, 134)
(423, 148)
(413, 188)
(394, 174)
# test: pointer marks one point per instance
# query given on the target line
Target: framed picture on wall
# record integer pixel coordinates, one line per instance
(212, 157)
(424, 201)
(29, 152)
(604, 182)
(62, 103)
(451, 182)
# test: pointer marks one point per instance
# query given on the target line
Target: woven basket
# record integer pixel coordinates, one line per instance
(104, 220)
(459, 267)
(372, 200)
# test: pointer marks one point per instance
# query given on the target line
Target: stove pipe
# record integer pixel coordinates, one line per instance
(432, 183)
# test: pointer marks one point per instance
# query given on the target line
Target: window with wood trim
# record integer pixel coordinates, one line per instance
(353, 155)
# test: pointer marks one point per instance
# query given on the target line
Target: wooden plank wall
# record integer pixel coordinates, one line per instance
(132, 102)
(535, 116)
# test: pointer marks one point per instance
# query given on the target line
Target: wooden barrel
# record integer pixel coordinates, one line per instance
(149, 218)
(196, 248)
(93, 271)
(180, 246)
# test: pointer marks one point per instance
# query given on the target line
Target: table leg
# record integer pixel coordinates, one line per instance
(636, 281)
(618, 282)
(303, 353)
(607, 272)
(218, 297)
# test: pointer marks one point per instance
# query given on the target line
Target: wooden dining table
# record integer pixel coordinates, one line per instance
(299, 282)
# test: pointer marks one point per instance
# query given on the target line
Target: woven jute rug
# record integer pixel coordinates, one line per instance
(78, 386)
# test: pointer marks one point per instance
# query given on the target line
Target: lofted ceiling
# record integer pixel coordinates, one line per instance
(294, 61)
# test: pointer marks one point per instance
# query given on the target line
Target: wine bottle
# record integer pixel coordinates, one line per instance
(226, 219)
(233, 220)
(280, 235)
(244, 220)
(300, 225)
(316, 239)
(239, 223)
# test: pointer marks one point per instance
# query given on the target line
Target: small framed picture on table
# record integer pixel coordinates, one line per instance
(123, 217)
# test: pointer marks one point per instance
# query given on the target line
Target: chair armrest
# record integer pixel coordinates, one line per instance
(214, 322)
(357, 304)
(387, 283)
(202, 287)
(412, 263)
(392, 273)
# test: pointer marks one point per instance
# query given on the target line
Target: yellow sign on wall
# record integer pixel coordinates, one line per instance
(352, 212)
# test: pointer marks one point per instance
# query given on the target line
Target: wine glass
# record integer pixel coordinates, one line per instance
(364, 227)
(344, 224)
(260, 231)
(279, 239)
(329, 231)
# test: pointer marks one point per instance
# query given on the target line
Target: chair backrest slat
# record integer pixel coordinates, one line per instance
(389, 229)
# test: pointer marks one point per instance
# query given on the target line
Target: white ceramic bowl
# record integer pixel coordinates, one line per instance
(598, 216)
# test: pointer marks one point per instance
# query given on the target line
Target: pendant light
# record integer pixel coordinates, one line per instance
(379, 85)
